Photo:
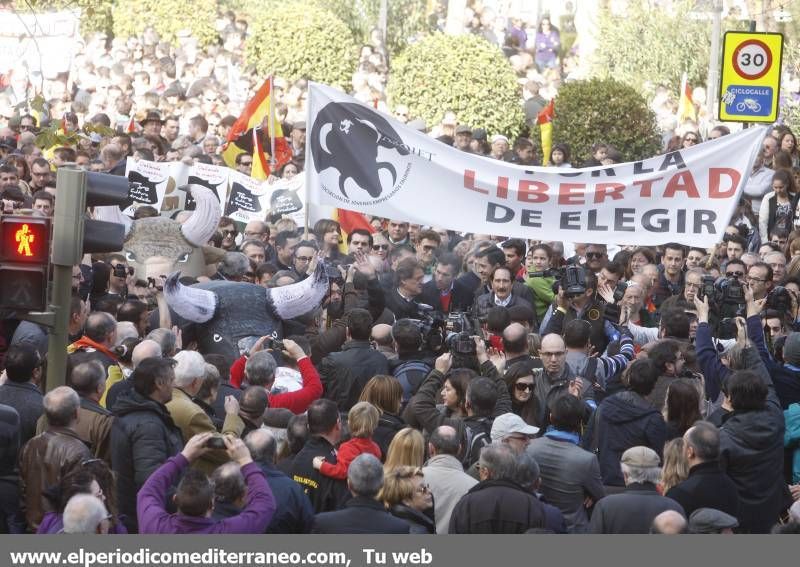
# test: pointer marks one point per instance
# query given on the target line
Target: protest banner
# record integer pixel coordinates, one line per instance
(213, 177)
(149, 182)
(248, 198)
(363, 160)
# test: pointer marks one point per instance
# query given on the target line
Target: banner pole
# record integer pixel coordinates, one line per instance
(272, 128)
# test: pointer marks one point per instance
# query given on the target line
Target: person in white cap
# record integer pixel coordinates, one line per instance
(500, 146)
(633, 511)
(512, 430)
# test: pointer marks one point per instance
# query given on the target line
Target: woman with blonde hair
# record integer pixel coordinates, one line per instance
(406, 449)
(407, 497)
(675, 469)
(386, 394)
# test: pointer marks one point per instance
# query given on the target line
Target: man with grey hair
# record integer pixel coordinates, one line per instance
(190, 417)
(50, 456)
(148, 348)
(166, 339)
(633, 511)
(260, 367)
(86, 514)
(233, 267)
(445, 474)
(497, 504)
(293, 511)
(528, 476)
(230, 491)
(364, 513)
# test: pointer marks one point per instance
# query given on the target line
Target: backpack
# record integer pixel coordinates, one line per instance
(477, 434)
(411, 374)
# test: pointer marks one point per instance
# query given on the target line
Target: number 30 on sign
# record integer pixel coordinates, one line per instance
(751, 72)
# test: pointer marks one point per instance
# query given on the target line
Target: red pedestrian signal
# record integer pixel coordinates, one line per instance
(25, 239)
(25, 256)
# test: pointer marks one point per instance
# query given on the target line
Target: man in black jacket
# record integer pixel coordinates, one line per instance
(325, 431)
(707, 486)
(364, 513)
(626, 420)
(345, 373)
(143, 436)
(402, 298)
(445, 293)
(497, 504)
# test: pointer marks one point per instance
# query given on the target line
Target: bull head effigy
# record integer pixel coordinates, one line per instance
(157, 246)
(228, 316)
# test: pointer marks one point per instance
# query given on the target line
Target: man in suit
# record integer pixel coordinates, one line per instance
(444, 293)
(570, 475)
(363, 514)
(707, 486)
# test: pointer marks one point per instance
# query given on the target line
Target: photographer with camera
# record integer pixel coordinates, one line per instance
(576, 299)
(488, 400)
(410, 368)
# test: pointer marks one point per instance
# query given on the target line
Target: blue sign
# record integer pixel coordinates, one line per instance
(748, 101)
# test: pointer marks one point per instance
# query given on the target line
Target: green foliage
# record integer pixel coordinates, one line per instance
(406, 18)
(465, 74)
(650, 46)
(604, 110)
(167, 17)
(95, 14)
(789, 112)
(296, 42)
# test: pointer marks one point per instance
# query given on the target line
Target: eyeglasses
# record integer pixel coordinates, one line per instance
(304, 258)
(230, 233)
(691, 140)
(595, 254)
(523, 387)
(377, 247)
(253, 234)
(752, 279)
(551, 354)
(734, 274)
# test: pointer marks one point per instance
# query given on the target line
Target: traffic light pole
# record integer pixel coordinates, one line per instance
(67, 238)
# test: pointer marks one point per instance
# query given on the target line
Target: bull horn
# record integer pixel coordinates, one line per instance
(195, 305)
(204, 221)
(293, 300)
(112, 213)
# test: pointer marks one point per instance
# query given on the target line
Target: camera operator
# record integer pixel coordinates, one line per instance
(576, 299)
(411, 367)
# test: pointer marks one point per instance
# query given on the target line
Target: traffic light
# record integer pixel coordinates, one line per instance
(75, 235)
(25, 255)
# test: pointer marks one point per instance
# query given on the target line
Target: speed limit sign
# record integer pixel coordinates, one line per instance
(751, 73)
(752, 59)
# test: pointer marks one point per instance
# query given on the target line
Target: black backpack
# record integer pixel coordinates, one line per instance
(477, 434)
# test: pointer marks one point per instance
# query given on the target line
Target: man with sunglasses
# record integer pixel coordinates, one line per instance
(596, 257)
(428, 243)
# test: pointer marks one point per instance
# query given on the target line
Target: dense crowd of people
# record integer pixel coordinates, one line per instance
(447, 383)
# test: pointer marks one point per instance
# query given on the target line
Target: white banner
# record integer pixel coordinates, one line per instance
(363, 160)
(161, 185)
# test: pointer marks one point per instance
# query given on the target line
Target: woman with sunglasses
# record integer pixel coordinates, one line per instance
(406, 495)
(521, 388)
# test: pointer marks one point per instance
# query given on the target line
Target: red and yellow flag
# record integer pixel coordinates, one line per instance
(545, 121)
(686, 110)
(350, 221)
(249, 132)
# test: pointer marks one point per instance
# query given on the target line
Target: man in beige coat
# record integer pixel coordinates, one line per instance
(190, 417)
(445, 475)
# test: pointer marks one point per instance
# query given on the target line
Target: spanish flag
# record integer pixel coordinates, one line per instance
(545, 121)
(686, 110)
(256, 131)
(350, 221)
